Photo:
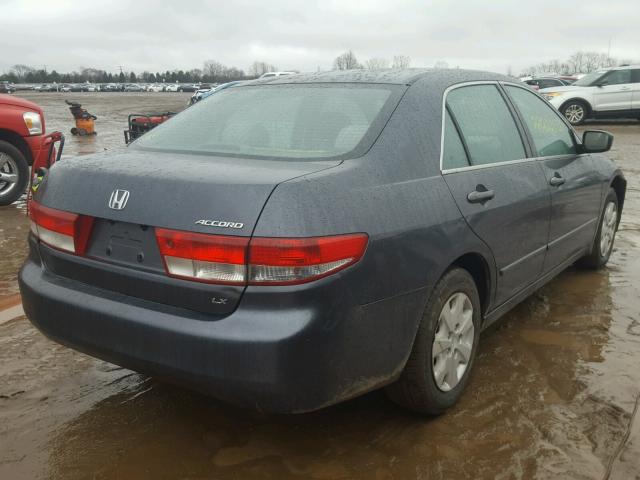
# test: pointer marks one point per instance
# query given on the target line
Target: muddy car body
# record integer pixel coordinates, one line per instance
(380, 221)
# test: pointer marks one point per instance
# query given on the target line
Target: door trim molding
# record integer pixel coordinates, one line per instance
(564, 236)
(529, 255)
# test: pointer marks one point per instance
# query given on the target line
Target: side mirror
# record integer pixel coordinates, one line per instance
(596, 141)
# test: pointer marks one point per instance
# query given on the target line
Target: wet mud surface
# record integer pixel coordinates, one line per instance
(552, 396)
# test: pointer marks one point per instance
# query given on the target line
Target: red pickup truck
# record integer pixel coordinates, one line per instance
(23, 143)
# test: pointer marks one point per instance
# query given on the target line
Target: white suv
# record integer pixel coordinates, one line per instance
(610, 93)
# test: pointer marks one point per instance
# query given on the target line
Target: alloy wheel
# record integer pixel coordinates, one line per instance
(453, 342)
(8, 174)
(608, 228)
(574, 113)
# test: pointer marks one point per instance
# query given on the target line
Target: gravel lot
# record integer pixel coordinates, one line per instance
(553, 395)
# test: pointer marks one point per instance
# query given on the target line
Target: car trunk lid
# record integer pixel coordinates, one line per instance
(196, 193)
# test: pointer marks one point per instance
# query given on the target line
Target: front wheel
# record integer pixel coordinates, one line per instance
(605, 236)
(444, 349)
(14, 173)
(575, 112)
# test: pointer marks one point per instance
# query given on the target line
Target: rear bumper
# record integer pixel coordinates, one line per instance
(293, 351)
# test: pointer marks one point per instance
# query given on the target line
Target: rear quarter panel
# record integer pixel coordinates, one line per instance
(396, 194)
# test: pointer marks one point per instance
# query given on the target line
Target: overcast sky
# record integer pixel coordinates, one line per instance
(305, 35)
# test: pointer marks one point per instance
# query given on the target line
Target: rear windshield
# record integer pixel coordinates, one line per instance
(280, 121)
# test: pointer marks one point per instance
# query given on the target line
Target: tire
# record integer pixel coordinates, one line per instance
(12, 162)
(575, 112)
(605, 236)
(418, 388)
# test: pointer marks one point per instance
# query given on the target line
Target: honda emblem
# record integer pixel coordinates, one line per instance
(118, 199)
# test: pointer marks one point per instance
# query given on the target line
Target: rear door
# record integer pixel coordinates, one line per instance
(501, 193)
(614, 93)
(635, 91)
(573, 179)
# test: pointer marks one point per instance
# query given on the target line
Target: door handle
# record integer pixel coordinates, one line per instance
(556, 180)
(480, 195)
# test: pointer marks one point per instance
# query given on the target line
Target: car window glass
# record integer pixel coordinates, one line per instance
(551, 136)
(635, 76)
(617, 77)
(550, 83)
(280, 121)
(486, 124)
(453, 155)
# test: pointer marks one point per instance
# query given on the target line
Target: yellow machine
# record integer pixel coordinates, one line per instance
(85, 122)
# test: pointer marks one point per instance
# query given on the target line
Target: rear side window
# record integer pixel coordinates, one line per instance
(550, 83)
(454, 155)
(288, 121)
(635, 76)
(616, 77)
(551, 136)
(486, 124)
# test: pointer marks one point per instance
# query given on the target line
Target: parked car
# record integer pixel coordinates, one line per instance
(132, 87)
(171, 87)
(65, 88)
(275, 74)
(187, 87)
(110, 87)
(6, 87)
(548, 82)
(23, 143)
(202, 94)
(90, 87)
(360, 235)
(609, 93)
(155, 88)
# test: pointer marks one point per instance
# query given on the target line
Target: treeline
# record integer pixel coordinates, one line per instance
(212, 71)
(579, 62)
(349, 61)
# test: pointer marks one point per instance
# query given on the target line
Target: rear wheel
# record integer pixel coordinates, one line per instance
(444, 349)
(575, 112)
(605, 236)
(14, 173)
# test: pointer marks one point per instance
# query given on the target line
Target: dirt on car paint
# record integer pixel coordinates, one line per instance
(553, 394)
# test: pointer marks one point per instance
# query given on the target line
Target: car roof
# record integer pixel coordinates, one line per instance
(621, 67)
(406, 76)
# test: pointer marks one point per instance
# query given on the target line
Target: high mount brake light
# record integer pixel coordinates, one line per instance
(59, 229)
(257, 261)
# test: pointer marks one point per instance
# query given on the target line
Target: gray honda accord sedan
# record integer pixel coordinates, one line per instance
(297, 241)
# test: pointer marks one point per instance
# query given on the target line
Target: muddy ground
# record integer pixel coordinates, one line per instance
(553, 394)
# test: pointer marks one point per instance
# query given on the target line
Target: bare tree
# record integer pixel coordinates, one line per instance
(401, 61)
(346, 61)
(21, 71)
(258, 68)
(91, 74)
(212, 70)
(376, 63)
(576, 62)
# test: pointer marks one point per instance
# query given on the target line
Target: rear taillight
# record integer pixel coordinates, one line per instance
(62, 230)
(281, 261)
(207, 258)
(259, 261)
